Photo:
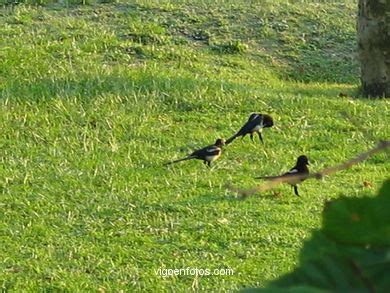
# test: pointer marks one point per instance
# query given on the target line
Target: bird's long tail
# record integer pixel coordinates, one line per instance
(179, 160)
(231, 139)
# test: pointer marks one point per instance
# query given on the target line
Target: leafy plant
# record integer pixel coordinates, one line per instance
(351, 251)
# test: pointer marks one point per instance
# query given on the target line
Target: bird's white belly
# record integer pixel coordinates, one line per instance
(256, 128)
(211, 158)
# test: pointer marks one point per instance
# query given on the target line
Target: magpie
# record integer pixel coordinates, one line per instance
(300, 169)
(254, 124)
(207, 154)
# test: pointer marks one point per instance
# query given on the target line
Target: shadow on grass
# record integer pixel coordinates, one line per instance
(295, 34)
(170, 90)
(91, 86)
(317, 90)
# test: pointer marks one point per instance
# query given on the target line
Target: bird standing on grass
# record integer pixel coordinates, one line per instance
(295, 175)
(207, 154)
(255, 124)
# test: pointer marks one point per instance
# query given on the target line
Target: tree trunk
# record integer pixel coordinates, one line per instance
(374, 47)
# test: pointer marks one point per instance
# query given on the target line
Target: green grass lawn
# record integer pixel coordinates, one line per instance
(95, 98)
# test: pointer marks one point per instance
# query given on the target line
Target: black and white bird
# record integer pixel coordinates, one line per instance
(255, 124)
(207, 154)
(296, 174)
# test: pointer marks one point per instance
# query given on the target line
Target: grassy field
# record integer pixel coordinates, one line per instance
(95, 98)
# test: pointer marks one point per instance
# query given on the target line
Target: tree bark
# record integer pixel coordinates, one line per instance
(374, 47)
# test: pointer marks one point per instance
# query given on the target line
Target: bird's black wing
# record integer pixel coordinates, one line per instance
(252, 122)
(291, 173)
(194, 155)
(210, 150)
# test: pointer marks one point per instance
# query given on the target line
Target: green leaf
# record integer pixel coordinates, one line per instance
(350, 253)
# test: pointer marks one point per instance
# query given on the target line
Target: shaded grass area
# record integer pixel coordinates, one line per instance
(305, 41)
(95, 98)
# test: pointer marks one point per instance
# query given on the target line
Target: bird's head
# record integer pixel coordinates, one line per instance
(302, 161)
(268, 121)
(220, 142)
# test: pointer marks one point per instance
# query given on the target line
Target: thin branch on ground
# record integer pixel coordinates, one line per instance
(382, 145)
